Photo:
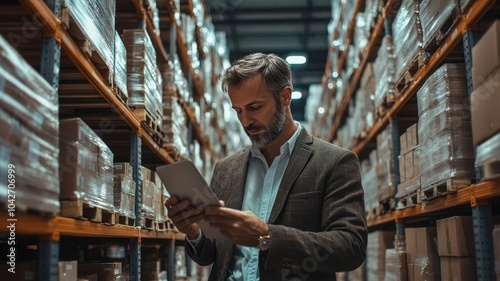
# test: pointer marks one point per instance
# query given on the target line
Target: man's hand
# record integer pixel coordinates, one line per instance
(241, 227)
(184, 217)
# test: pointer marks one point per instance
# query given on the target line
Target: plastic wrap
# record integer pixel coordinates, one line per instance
(142, 78)
(96, 19)
(35, 166)
(405, 29)
(369, 181)
(124, 195)
(444, 128)
(30, 127)
(378, 242)
(360, 34)
(371, 13)
(86, 165)
(385, 167)
(488, 153)
(433, 14)
(395, 265)
(384, 70)
(152, 10)
(120, 65)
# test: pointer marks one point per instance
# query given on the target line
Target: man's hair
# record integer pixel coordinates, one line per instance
(275, 72)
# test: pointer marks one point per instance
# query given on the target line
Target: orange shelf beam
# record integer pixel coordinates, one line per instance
(380, 220)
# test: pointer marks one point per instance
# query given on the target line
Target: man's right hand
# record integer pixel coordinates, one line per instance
(184, 217)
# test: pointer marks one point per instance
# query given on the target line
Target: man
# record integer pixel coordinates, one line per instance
(293, 204)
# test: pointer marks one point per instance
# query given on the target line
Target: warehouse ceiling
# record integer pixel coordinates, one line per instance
(283, 27)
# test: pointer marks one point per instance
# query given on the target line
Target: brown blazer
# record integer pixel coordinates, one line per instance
(317, 223)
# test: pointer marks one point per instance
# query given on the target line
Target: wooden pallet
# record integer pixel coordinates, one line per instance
(147, 222)
(79, 209)
(407, 76)
(89, 50)
(386, 206)
(490, 169)
(409, 200)
(124, 220)
(444, 187)
(437, 38)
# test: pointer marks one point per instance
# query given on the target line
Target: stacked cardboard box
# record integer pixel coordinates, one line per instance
(378, 242)
(444, 128)
(86, 165)
(124, 189)
(150, 264)
(409, 163)
(407, 39)
(105, 270)
(395, 265)
(434, 15)
(143, 79)
(486, 100)
(422, 254)
(369, 182)
(29, 141)
(159, 198)
(385, 167)
(148, 192)
(120, 66)
(68, 270)
(456, 249)
(174, 127)
(384, 70)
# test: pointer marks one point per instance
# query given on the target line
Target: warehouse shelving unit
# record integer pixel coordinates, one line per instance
(477, 196)
(49, 230)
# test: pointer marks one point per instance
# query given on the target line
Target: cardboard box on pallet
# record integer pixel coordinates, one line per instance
(421, 251)
(409, 164)
(458, 268)
(486, 55)
(485, 102)
(452, 233)
(395, 265)
(403, 143)
(122, 168)
(402, 168)
(378, 242)
(68, 270)
(412, 136)
(105, 271)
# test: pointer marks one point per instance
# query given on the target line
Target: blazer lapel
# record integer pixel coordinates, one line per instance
(236, 188)
(299, 158)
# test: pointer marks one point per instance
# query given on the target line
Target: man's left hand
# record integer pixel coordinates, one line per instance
(241, 227)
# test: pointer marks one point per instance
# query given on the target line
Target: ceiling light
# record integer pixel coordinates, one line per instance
(296, 95)
(296, 59)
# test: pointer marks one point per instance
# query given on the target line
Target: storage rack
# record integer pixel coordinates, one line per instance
(49, 230)
(478, 196)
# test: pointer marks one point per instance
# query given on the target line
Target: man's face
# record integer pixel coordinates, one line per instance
(257, 111)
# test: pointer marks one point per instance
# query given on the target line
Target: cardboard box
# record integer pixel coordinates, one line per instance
(416, 162)
(68, 270)
(402, 168)
(412, 136)
(155, 178)
(456, 237)
(422, 252)
(378, 242)
(486, 55)
(403, 143)
(409, 164)
(395, 265)
(485, 102)
(458, 268)
(105, 271)
(122, 168)
(75, 130)
(410, 270)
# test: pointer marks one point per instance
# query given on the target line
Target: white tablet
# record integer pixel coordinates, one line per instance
(183, 180)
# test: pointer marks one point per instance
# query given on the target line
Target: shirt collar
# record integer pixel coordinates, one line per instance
(286, 147)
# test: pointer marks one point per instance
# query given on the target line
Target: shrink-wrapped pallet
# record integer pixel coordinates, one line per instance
(385, 165)
(29, 145)
(433, 16)
(384, 69)
(120, 66)
(142, 76)
(86, 165)
(378, 242)
(407, 42)
(369, 181)
(96, 20)
(444, 128)
(488, 158)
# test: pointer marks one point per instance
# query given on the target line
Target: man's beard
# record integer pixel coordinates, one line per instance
(275, 126)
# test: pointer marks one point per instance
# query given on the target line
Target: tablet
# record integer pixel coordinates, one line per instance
(183, 180)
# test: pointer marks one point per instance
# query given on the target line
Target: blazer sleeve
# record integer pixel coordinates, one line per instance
(341, 243)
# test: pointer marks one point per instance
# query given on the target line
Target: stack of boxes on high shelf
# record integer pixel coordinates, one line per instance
(63, 166)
